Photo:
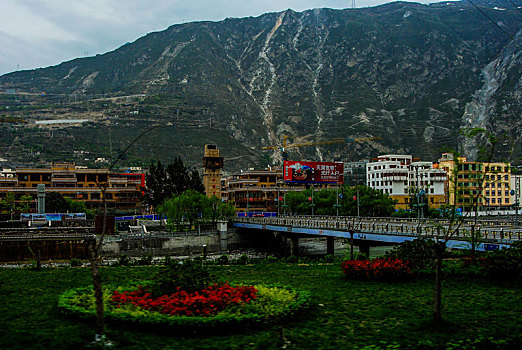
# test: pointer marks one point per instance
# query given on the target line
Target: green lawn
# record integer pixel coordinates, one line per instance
(345, 314)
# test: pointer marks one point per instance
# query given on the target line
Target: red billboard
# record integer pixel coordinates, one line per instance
(313, 172)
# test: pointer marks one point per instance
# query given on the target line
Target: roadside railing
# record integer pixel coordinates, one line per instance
(483, 231)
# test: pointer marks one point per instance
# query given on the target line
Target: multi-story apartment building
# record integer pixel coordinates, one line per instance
(255, 190)
(487, 184)
(405, 178)
(262, 190)
(122, 190)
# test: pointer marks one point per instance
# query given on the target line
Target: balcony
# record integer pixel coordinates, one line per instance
(118, 180)
(55, 180)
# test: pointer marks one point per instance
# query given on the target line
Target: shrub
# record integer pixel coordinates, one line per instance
(75, 262)
(145, 260)
(167, 260)
(223, 260)
(361, 256)
(377, 269)
(329, 258)
(505, 265)
(242, 260)
(419, 253)
(292, 259)
(186, 275)
(270, 303)
(123, 260)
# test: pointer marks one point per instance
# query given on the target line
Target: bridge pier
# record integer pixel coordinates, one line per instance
(330, 245)
(364, 248)
(223, 235)
(294, 246)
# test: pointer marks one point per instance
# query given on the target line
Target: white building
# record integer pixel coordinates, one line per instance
(402, 175)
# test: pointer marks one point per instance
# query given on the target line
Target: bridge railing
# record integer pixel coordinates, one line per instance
(414, 228)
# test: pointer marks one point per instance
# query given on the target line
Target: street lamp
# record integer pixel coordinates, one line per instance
(516, 192)
(336, 206)
(284, 203)
(247, 200)
(311, 199)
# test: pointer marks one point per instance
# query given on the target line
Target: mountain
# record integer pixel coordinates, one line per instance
(410, 74)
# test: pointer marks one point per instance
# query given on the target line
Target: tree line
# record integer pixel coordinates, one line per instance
(178, 193)
(347, 201)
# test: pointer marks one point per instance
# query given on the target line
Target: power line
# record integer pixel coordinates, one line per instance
(495, 23)
(515, 6)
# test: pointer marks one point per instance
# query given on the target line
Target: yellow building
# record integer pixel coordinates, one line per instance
(487, 184)
(261, 190)
(255, 190)
(122, 190)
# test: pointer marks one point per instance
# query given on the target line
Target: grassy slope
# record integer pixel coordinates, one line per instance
(345, 313)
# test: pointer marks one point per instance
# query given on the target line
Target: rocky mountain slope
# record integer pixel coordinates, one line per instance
(408, 73)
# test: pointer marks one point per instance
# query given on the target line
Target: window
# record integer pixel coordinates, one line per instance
(506, 193)
(487, 193)
(493, 200)
(487, 184)
(499, 193)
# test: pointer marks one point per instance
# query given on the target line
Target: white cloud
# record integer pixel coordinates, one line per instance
(38, 33)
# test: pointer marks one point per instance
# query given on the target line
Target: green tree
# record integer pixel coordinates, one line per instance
(8, 203)
(195, 181)
(215, 209)
(76, 206)
(155, 191)
(163, 183)
(371, 202)
(55, 203)
(26, 202)
(186, 206)
(191, 206)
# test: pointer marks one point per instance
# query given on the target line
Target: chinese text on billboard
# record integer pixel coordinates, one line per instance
(313, 172)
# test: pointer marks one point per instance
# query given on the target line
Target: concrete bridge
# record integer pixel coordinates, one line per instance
(367, 232)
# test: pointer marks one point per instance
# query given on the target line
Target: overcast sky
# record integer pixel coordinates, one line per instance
(40, 33)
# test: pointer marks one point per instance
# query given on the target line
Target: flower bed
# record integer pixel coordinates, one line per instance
(217, 306)
(208, 301)
(376, 269)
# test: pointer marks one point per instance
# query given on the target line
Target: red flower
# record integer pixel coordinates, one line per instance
(378, 269)
(208, 301)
